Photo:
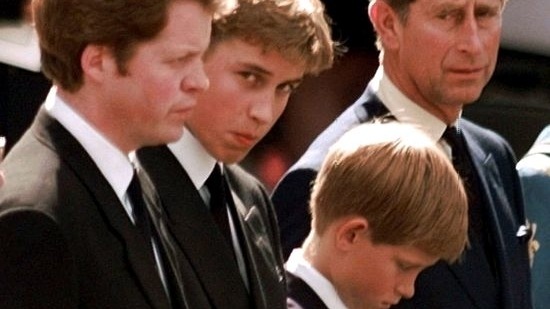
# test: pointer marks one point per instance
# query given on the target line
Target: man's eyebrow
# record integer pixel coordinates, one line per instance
(256, 68)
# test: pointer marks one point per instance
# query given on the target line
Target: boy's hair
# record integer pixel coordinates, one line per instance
(401, 182)
(66, 27)
(297, 29)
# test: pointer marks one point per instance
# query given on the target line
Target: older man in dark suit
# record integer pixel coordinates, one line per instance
(79, 227)
(436, 58)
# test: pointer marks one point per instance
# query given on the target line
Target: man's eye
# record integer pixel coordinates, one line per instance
(249, 77)
(486, 13)
(290, 87)
(452, 15)
(404, 266)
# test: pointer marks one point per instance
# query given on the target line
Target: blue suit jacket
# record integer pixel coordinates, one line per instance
(462, 285)
(534, 172)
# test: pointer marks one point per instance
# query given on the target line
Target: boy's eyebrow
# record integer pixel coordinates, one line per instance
(411, 263)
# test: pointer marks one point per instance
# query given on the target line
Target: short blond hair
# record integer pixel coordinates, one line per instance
(297, 29)
(393, 175)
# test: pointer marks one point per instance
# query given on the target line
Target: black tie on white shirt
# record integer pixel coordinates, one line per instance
(150, 222)
(464, 166)
(218, 202)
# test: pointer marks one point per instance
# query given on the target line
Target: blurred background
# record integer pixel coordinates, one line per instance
(516, 103)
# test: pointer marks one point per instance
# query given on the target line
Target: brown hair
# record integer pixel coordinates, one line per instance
(66, 27)
(298, 29)
(401, 182)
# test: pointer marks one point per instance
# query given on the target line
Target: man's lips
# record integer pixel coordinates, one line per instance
(184, 110)
(473, 70)
(245, 139)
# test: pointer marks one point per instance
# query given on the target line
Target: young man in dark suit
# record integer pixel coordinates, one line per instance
(259, 53)
(76, 231)
(436, 57)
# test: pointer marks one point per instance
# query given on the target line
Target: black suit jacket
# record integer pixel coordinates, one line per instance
(206, 248)
(462, 285)
(301, 295)
(65, 239)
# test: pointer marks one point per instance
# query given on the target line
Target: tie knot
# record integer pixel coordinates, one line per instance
(214, 181)
(134, 189)
(453, 137)
(135, 194)
(215, 186)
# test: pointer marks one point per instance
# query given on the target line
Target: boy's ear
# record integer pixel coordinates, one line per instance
(350, 232)
(386, 23)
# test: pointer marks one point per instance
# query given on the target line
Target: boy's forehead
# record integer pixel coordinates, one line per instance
(414, 256)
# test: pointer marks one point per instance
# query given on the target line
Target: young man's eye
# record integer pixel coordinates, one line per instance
(402, 266)
(286, 88)
(249, 77)
(289, 87)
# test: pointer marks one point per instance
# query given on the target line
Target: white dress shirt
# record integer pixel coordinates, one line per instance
(406, 111)
(401, 107)
(111, 162)
(115, 166)
(301, 268)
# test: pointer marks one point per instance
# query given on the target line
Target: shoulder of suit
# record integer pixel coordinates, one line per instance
(239, 177)
(484, 136)
(317, 151)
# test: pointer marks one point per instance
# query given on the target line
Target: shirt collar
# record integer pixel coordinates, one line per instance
(112, 163)
(301, 268)
(193, 157)
(403, 108)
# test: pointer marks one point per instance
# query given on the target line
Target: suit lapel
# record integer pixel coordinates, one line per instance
(263, 269)
(475, 274)
(141, 261)
(499, 220)
(195, 230)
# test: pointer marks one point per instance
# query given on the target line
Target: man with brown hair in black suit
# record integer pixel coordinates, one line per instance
(76, 230)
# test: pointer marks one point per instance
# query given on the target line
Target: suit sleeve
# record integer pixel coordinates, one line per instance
(291, 201)
(35, 267)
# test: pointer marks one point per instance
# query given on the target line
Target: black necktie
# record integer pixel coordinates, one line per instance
(218, 202)
(151, 223)
(453, 137)
(464, 166)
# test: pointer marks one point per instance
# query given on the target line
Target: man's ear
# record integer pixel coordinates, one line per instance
(350, 232)
(96, 61)
(386, 23)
